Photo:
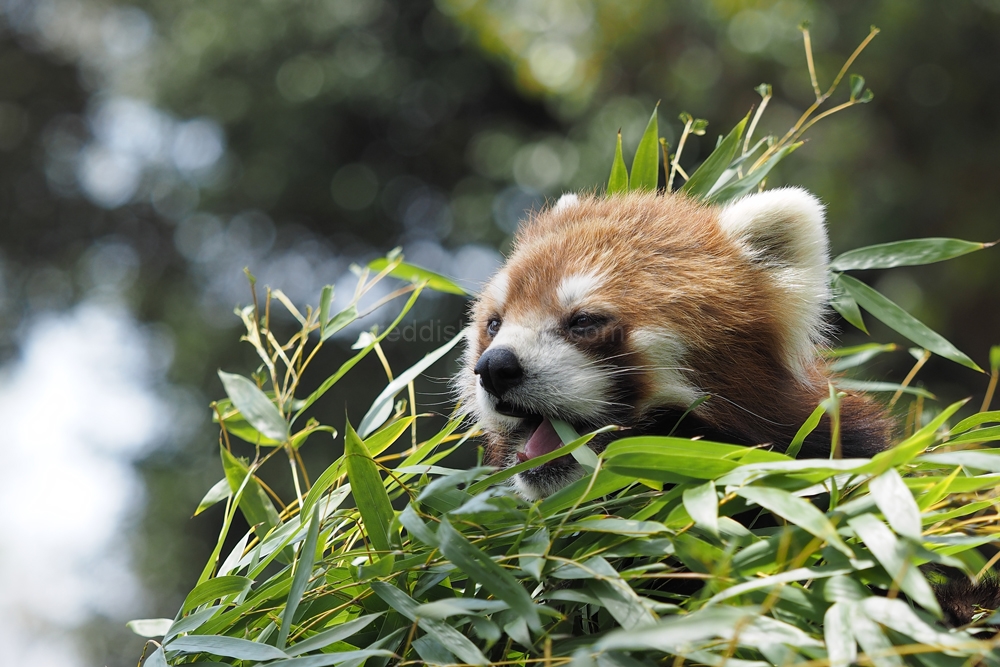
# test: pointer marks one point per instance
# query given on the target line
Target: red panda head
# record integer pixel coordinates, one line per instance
(627, 309)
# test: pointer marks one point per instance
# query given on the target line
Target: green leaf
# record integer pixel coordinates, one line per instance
(415, 274)
(303, 571)
(447, 607)
(702, 504)
(349, 658)
(753, 179)
(255, 406)
(857, 85)
(912, 252)
(646, 163)
(707, 175)
(874, 642)
(869, 386)
(899, 616)
(808, 426)
(981, 459)
(844, 304)
(213, 589)
(976, 420)
(533, 549)
(156, 659)
(339, 321)
(798, 574)
(325, 299)
(219, 492)
(150, 627)
(618, 181)
(979, 435)
(369, 490)
(381, 409)
(254, 503)
(449, 637)
(897, 504)
(902, 322)
(482, 569)
(841, 648)
(669, 459)
(795, 510)
(858, 355)
(335, 634)
(230, 647)
(995, 358)
(894, 556)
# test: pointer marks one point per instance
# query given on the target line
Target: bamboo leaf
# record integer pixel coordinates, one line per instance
(646, 163)
(449, 637)
(415, 274)
(325, 299)
(894, 556)
(897, 504)
(254, 503)
(156, 659)
(845, 304)
(797, 511)
(300, 579)
(150, 627)
(902, 322)
(482, 569)
(753, 179)
(369, 490)
(702, 504)
(213, 589)
(255, 406)
(219, 492)
(705, 177)
(912, 252)
(975, 420)
(230, 647)
(381, 409)
(808, 426)
(618, 181)
(868, 386)
(841, 648)
(333, 635)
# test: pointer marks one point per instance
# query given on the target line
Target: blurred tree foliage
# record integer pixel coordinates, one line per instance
(151, 149)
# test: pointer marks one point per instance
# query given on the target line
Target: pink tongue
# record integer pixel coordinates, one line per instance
(542, 441)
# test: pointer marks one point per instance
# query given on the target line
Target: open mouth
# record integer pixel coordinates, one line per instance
(542, 440)
(540, 436)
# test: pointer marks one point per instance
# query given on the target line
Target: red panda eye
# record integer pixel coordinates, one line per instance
(493, 327)
(584, 323)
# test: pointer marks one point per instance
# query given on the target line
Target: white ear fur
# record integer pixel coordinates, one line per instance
(783, 230)
(566, 201)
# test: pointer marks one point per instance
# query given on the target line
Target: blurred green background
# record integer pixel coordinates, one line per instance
(150, 150)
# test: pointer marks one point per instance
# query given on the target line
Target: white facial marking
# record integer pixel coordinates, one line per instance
(664, 352)
(496, 289)
(573, 289)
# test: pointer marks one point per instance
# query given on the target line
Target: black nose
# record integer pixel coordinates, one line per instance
(499, 371)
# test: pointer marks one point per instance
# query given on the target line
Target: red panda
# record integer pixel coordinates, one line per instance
(627, 309)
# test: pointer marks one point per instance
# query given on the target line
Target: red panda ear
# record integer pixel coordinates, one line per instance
(568, 200)
(782, 230)
(782, 227)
